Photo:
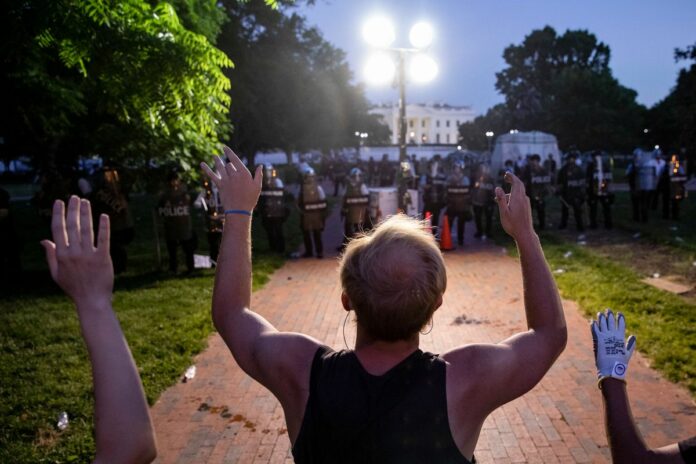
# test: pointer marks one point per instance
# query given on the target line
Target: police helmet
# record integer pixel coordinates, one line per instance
(459, 165)
(355, 174)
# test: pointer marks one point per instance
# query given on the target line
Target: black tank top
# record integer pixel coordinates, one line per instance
(355, 417)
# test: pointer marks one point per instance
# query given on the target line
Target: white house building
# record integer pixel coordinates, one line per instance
(431, 123)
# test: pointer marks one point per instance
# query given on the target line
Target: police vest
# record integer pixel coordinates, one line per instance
(458, 198)
(483, 191)
(677, 183)
(436, 189)
(575, 183)
(313, 207)
(647, 177)
(600, 184)
(273, 202)
(175, 210)
(539, 182)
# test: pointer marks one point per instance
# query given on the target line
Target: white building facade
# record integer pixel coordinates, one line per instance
(431, 123)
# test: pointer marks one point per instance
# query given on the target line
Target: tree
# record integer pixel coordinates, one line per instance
(123, 79)
(292, 89)
(562, 84)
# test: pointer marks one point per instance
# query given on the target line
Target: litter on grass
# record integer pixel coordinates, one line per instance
(559, 271)
(567, 254)
(62, 421)
(656, 275)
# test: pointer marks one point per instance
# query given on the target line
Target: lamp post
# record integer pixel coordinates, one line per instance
(489, 136)
(361, 137)
(381, 69)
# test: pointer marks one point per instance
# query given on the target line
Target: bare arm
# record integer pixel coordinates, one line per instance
(518, 363)
(625, 440)
(122, 420)
(280, 361)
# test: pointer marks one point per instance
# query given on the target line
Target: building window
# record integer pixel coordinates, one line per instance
(410, 123)
(447, 123)
(437, 137)
(437, 123)
(422, 122)
(457, 122)
(448, 139)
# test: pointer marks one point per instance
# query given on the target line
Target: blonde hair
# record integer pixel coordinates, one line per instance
(393, 277)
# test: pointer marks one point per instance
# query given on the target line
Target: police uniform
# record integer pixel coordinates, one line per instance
(538, 182)
(572, 183)
(599, 178)
(458, 196)
(483, 199)
(646, 182)
(434, 191)
(676, 174)
(355, 205)
(385, 172)
(214, 218)
(174, 207)
(313, 207)
(272, 209)
(109, 198)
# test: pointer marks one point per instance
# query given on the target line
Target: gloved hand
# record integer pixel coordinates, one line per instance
(611, 352)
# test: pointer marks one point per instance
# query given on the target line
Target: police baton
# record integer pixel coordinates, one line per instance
(560, 197)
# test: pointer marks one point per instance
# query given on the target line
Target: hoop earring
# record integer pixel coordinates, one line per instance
(344, 329)
(430, 329)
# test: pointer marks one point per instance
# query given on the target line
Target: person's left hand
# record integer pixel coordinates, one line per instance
(238, 189)
(83, 271)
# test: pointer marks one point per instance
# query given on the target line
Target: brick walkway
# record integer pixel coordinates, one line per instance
(224, 416)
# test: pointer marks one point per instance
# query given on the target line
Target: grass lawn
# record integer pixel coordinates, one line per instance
(607, 273)
(43, 362)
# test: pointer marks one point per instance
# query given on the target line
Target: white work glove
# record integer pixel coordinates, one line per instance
(611, 352)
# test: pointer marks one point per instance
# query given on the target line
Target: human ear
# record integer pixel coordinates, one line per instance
(346, 302)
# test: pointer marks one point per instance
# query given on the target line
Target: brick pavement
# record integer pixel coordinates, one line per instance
(224, 416)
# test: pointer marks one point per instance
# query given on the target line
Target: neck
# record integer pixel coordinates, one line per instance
(378, 356)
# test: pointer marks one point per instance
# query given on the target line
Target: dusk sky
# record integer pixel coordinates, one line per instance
(472, 34)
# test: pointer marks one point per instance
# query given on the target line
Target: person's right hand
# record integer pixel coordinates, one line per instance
(612, 352)
(238, 189)
(83, 271)
(515, 209)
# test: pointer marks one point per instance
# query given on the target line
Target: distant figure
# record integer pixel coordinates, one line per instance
(174, 207)
(273, 208)
(385, 400)
(599, 179)
(612, 354)
(538, 182)
(386, 172)
(10, 245)
(572, 185)
(434, 190)
(646, 182)
(483, 199)
(313, 208)
(677, 188)
(550, 166)
(458, 196)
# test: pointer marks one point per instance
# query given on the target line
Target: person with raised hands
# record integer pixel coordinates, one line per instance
(123, 427)
(385, 400)
(612, 354)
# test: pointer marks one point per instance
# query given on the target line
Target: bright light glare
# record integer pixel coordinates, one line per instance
(421, 35)
(379, 31)
(380, 69)
(423, 69)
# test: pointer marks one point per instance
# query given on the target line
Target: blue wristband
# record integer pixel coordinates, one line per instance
(238, 211)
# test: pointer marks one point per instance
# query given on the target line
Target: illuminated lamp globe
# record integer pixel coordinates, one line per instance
(380, 69)
(423, 69)
(421, 35)
(379, 32)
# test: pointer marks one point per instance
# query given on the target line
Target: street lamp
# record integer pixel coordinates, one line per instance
(388, 64)
(489, 136)
(361, 136)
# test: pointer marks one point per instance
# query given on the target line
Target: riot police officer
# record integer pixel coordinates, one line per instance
(646, 181)
(355, 204)
(572, 184)
(272, 208)
(174, 207)
(434, 190)
(677, 186)
(313, 208)
(458, 196)
(109, 197)
(214, 218)
(385, 172)
(538, 182)
(599, 177)
(483, 199)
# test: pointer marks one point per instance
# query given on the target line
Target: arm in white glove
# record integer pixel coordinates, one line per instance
(611, 351)
(611, 356)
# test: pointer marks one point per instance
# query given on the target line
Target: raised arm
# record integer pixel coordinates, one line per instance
(280, 361)
(612, 355)
(122, 420)
(512, 367)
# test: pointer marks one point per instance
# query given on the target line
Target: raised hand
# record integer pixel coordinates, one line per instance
(83, 271)
(238, 189)
(515, 209)
(612, 352)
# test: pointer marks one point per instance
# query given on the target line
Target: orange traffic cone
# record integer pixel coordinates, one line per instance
(428, 222)
(445, 236)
